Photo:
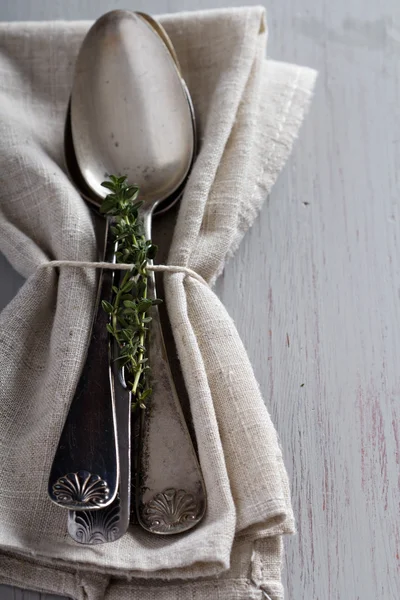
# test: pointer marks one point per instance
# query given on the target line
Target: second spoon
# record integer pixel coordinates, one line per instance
(120, 126)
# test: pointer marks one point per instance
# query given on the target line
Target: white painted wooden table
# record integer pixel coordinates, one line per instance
(315, 291)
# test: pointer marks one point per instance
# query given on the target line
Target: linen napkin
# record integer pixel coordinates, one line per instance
(248, 113)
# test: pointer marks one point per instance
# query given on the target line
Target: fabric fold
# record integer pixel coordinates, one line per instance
(248, 112)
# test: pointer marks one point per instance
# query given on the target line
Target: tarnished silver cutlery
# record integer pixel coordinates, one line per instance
(130, 114)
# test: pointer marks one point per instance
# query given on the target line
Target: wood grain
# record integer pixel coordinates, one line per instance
(327, 298)
(315, 292)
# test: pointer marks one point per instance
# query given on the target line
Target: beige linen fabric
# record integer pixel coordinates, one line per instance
(249, 110)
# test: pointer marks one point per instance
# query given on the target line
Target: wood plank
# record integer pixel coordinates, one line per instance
(321, 325)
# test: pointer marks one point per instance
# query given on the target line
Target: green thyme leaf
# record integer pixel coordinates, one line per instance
(107, 307)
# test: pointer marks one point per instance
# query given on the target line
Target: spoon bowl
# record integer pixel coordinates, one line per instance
(75, 175)
(129, 111)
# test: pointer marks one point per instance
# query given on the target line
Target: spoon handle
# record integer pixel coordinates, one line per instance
(91, 527)
(85, 470)
(170, 493)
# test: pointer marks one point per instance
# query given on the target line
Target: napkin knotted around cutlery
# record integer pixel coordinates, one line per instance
(248, 111)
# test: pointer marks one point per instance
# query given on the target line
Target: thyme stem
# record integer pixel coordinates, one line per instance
(129, 311)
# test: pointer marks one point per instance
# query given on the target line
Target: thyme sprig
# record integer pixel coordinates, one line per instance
(129, 309)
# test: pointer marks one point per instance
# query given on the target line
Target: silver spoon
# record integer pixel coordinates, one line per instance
(110, 523)
(124, 69)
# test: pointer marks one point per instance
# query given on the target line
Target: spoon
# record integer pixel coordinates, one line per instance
(110, 523)
(123, 58)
